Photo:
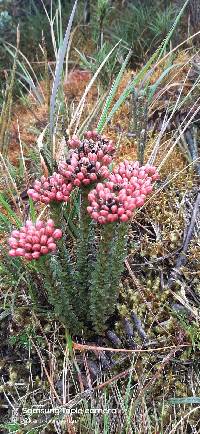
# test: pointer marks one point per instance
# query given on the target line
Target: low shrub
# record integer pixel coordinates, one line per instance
(81, 276)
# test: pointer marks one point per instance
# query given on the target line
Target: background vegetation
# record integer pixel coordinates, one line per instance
(131, 70)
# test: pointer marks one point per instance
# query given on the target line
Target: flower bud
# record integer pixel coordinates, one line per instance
(57, 234)
(35, 239)
(50, 222)
(52, 247)
(39, 224)
(45, 200)
(15, 234)
(12, 252)
(43, 240)
(120, 211)
(29, 239)
(129, 213)
(28, 256)
(114, 209)
(124, 218)
(13, 243)
(95, 215)
(59, 196)
(111, 218)
(20, 252)
(77, 182)
(139, 201)
(35, 255)
(44, 250)
(88, 135)
(80, 176)
(41, 232)
(104, 213)
(28, 247)
(93, 177)
(50, 240)
(35, 196)
(49, 230)
(21, 243)
(101, 220)
(36, 247)
(86, 181)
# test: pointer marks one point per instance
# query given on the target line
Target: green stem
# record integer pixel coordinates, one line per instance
(83, 266)
(63, 253)
(69, 280)
(58, 297)
(119, 255)
(102, 302)
(107, 274)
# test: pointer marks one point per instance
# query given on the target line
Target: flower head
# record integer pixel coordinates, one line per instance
(125, 190)
(107, 205)
(34, 240)
(54, 188)
(89, 160)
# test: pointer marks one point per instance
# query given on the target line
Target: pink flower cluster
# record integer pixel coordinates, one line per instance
(89, 160)
(54, 188)
(125, 190)
(129, 169)
(34, 240)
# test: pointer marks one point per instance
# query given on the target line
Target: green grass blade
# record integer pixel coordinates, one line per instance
(8, 209)
(153, 88)
(22, 66)
(112, 93)
(4, 222)
(168, 37)
(32, 210)
(186, 400)
(90, 84)
(146, 71)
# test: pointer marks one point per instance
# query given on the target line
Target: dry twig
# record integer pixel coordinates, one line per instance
(181, 260)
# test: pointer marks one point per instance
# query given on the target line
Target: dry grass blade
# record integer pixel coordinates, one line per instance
(165, 124)
(11, 185)
(40, 147)
(5, 115)
(59, 69)
(182, 131)
(169, 181)
(182, 256)
(174, 430)
(82, 347)
(46, 372)
(148, 386)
